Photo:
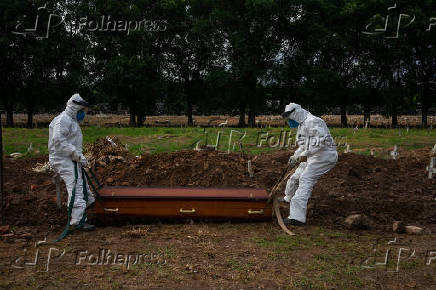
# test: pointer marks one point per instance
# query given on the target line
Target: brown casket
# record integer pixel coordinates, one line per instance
(184, 202)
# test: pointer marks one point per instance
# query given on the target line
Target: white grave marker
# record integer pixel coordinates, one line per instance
(394, 153)
(30, 149)
(250, 169)
(431, 168)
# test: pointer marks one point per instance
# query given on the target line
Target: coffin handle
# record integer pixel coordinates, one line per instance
(111, 209)
(191, 210)
(255, 211)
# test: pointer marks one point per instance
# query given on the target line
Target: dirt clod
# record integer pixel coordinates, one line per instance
(4, 229)
(413, 230)
(358, 222)
(398, 227)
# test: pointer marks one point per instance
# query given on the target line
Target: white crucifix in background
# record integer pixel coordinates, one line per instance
(347, 149)
(431, 168)
(250, 169)
(394, 153)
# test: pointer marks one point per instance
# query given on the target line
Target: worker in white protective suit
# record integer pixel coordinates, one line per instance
(65, 150)
(317, 147)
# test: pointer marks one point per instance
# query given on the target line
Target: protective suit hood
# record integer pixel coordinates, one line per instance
(299, 114)
(75, 104)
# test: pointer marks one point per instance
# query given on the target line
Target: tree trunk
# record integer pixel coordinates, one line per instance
(189, 101)
(366, 113)
(242, 114)
(9, 106)
(252, 100)
(132, 122)
(188, 96)
(252, 118)
(9, 115)
(344, 115)
(394, 116)
(425, 105)
(30, 117)
(140, 120)
(252, 108)
(424, 115)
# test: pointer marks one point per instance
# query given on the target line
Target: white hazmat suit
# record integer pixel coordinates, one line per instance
(64, 146)
(315, 142)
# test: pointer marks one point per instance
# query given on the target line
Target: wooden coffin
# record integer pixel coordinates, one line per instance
(184, 202)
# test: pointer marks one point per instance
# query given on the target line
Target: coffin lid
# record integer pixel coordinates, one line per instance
(183, 193)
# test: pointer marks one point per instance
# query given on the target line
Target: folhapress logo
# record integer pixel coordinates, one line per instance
(45, 21)
(40, 26)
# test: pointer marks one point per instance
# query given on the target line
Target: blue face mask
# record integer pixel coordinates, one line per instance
(293, 124)
(80, 115)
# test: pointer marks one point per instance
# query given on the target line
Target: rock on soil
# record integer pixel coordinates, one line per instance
(398, 227)
(358, 222)
(413, 230)
(4, 229)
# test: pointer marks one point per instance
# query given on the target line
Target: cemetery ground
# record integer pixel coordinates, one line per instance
(200, 254)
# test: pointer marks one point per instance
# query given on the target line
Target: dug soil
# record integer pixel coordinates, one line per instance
(384, 190)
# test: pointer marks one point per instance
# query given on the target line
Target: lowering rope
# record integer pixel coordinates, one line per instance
(274, 197)
(99, 186)
(67, 230)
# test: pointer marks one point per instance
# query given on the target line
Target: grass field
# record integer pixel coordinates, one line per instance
(155, 140)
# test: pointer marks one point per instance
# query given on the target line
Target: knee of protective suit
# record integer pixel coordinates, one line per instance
(291, 186)
(294, 178)
(299, 170)
(301, 196)
(78, 202)
(308, 179)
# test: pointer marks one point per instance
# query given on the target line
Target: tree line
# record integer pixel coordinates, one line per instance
(219, 56)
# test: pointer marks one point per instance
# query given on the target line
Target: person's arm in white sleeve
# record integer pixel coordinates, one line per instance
(60, 133)
(317, 134)
(302, 145)
(300, 152)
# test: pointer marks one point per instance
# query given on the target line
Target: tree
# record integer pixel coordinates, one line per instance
(252, 44)
(192, 46)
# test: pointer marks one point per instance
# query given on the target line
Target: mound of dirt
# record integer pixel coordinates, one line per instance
(103, 148)
(183, 168)
(30, 196)
(384, 190)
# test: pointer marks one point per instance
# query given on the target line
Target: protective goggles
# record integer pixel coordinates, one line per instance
(81, 103)
(285, 115)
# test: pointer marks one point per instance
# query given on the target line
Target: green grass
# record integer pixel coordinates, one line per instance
(328, 265)
(156, 140)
